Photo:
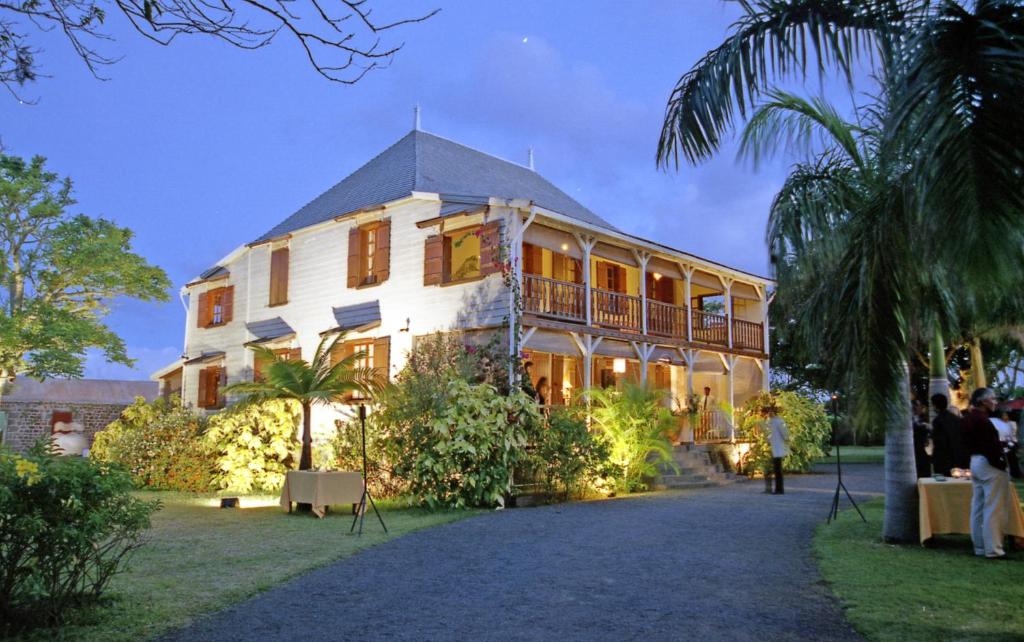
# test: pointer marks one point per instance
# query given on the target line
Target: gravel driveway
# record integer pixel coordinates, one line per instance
(726, 563)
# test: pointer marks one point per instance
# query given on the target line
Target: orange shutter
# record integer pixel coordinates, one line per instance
(203, 310)
(355, 264)
(557, 364)
(382, 253)
(490, 248)
(382, 357)
(294, 354)
(530, 264)
(227, 302)
(259, 367)
(603, 269)
(279, 276)
(433, 260)
(201, 397)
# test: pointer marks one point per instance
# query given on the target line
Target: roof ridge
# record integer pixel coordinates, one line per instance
(480, 151)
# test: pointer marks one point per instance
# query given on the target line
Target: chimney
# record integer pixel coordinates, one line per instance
(529, 156)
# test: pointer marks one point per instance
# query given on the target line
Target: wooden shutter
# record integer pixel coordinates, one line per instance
(490, 248)
(620, 279)
(603, 270)
(382, 253)
(203, 310)
(533, 259)
(259, 367)
(201, 397)
(433, 260)
(227, 304)
(355, 259)
(632, 371)
(279, 276)
(382, 358)
(295, 354)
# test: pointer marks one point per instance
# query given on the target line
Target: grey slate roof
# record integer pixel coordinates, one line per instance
(214, 272)
(360, 315)
(98, 391)
(270, 329)
(427, 163)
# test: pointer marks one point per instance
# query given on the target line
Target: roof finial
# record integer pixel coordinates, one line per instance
(529, 155)
(416, 122)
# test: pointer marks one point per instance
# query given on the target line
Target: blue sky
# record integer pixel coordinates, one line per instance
(199, 147)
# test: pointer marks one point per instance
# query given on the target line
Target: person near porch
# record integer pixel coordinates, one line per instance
(778, 435)
(922, 435)
(947, 439)
(988, 475)
(707, 402)
(527, 383)
(542, 391)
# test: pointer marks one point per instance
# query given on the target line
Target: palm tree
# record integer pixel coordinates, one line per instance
(307, 383)
(864, 231)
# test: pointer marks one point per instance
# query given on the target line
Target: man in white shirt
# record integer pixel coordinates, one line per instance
(778, 435)
(707, 402)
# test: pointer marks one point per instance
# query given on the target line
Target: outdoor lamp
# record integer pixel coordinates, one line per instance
(619, 366)
(657, 276)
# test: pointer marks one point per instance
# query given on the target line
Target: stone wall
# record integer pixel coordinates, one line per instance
(29, 421)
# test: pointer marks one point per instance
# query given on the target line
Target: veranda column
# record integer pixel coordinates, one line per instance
(586, 244)
(517, 227)
(727, 282)
(642, 259)
(765, 379)
(643, 354)
(687, 271)
(731, 366)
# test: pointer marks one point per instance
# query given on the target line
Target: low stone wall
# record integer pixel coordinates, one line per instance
(29, 421)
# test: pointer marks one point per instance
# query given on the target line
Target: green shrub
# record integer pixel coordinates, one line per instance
(67, 525)
(160, 444)
(634, 424)
(254, 445)
(566, 459)
(345, 450)
(465, 455)
(806, 422)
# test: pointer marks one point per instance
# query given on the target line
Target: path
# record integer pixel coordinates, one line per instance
(725, 563)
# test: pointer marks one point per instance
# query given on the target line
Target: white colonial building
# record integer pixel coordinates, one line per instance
(415, 242)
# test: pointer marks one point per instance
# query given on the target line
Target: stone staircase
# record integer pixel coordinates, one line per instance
(697, 469)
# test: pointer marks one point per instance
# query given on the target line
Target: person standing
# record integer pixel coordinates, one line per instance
(988, 475)
(778, 435)
(707, 402)
(922, 435)
(947, 439)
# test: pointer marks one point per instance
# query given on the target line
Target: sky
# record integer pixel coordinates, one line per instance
(200, 147)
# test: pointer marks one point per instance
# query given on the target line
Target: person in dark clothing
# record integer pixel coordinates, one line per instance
(988, 476)
(921, 436)
(947, 439)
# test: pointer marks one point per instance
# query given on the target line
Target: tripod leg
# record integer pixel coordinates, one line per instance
(833, 511)
(850, 497)
(377, 512)
(361, 507)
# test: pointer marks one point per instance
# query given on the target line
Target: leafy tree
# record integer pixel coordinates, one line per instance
(58, 274)
(341, 42)
(308, 383)
(892, 227)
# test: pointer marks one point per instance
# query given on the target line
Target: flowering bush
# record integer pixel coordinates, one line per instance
(253, 445)
(160, 444)
(67, 525)
(806, 423)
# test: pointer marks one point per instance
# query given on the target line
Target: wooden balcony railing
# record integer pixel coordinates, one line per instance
(712, 426)
(710, 328)
(552, 298)
(666, 320)
(747, 335)
(616, 309)
(567, 301)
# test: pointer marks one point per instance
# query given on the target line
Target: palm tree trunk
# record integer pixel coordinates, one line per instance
(938, 380)
(977, 365)
(900, 521)
(306, 459)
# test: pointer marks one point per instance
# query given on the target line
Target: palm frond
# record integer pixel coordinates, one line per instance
(774, 39)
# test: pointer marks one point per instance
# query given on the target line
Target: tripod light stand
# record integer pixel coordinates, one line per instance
(833, 512)
(361, 510)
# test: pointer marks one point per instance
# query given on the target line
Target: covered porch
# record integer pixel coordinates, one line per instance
(564, 362)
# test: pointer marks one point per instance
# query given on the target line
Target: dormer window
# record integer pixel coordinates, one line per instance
(215, 307)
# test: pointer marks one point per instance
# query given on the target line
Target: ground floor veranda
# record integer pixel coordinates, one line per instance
(564, 362)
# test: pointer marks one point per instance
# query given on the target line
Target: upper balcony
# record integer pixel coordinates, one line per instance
(636, 299)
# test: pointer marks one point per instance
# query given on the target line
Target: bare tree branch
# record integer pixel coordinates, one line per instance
(338, 48)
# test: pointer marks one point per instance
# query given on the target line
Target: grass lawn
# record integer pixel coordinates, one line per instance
(200, 559)
(915, 593)
(856, 455)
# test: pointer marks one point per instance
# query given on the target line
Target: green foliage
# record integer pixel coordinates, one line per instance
(67, 525)
(465, 455)
(321, 381)
(806, 422)
(254, 445)
(566, 458)
(160, 444)
(344, 452)
(58, 275)
(635, 424)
